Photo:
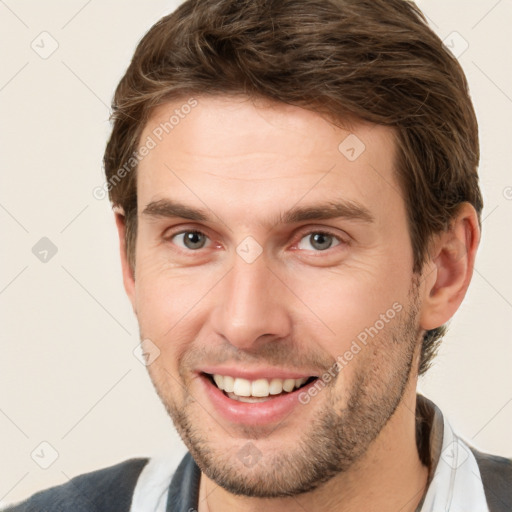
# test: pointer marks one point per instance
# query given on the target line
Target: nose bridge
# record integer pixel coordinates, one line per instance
(250, 305)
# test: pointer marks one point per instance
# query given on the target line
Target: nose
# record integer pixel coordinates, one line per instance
(251, 306)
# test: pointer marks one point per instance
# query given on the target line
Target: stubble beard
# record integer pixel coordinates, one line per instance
(334, 440)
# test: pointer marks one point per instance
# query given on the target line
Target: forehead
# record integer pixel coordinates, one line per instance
(267, 156)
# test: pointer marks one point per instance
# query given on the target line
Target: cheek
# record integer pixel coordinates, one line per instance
(172, 303)
(348, 301)
(168, 318)
(164, 309)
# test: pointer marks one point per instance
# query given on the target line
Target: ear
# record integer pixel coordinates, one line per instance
(448, 271)
(128, 272)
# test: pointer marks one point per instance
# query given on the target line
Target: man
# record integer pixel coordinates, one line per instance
(297, 201)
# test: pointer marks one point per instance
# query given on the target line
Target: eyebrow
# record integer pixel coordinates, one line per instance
(168, 208)
(340, 209)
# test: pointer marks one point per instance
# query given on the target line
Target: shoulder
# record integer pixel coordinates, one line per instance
(109, 489)
(496, 474)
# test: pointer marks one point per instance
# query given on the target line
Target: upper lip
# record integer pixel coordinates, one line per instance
(257, 373)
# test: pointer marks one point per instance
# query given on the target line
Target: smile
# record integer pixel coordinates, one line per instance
(258, 390)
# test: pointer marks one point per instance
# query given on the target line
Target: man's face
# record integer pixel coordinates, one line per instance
(269, 248)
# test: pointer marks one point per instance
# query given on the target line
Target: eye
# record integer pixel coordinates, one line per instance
(318, 241)
(192, 240)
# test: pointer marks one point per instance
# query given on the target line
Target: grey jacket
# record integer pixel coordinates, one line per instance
(111, 489)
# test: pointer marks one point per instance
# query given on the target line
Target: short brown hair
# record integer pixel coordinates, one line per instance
(375, 60)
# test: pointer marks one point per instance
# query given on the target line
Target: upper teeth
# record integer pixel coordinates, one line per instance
(259, 387)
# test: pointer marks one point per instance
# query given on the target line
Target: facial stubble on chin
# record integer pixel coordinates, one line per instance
(334, 440)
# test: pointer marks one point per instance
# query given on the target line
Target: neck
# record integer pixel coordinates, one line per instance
(389, 477)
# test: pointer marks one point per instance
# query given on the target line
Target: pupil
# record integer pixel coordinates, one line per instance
(194, 240)
(321, 241)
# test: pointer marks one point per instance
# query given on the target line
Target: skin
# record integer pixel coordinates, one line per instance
(246, 164)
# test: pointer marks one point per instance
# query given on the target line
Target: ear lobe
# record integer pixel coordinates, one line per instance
(128, 272)
(448, 271)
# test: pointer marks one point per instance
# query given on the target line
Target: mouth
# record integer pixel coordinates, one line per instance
(258, 390)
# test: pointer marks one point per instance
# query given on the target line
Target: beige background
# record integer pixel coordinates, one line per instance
(68, 375)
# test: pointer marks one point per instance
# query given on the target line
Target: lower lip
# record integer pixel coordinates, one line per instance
(258, 413)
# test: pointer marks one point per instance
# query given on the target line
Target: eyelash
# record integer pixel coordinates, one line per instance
(342, 241)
